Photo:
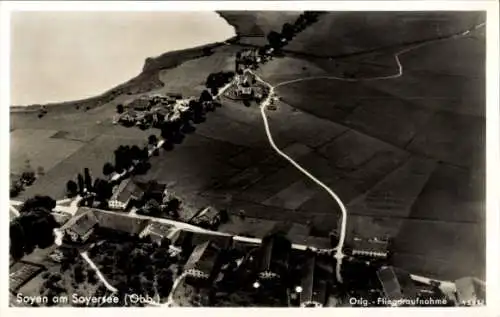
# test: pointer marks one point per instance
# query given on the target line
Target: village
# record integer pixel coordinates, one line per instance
(195, 260)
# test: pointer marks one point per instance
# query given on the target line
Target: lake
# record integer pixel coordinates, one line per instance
(64, 56)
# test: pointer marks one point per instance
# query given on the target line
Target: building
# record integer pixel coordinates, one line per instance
(79, 228)
(120, 222)
(125, 193)
(189, 238)
(203, 263)
(397, 285)
(274, 254)
(139, 104)
(371, 248)
(153, 190)
(313, 288)
(208, 216)
(470, 291)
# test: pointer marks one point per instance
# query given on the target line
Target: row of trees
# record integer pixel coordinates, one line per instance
(34, 227)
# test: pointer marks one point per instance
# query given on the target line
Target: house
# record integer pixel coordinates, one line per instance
(153, 190)
(470, 291)
(370, 248)
(129, 117)
(120, 222)
(196, 238)
(273, 258)
(203, 263)
(79, 228)
(208, 216)
(176, 96)
(313, 288)
(126, 192)
(397, 284)
(139, 104)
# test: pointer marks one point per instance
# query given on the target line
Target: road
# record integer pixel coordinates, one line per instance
(339, 255)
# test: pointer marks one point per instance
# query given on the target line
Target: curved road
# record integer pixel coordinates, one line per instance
(339, 255)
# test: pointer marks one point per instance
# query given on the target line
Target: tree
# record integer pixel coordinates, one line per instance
(40, 170)
(81, 184)
(135, 152)
(205, 96)
(173, 206)
(152, 207)
(87, 179)
(287, 31)
(34, 228)
(274, 39)
(38, 202)
(152, 139)
(107, 169)
(103, 189)
(224, 216)
(16, 187)
(71, 188)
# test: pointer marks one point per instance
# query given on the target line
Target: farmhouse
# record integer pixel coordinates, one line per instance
(139, 104)
(203, 262)
(396, 283)
(79, 228)
(372, 248)
(124, 194)
(313, 287)
(209, 217)
(120, 222)
(273, 257)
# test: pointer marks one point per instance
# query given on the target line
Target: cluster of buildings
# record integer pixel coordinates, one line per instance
(152, 110)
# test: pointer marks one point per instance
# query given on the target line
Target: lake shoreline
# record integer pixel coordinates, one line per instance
(150, 69)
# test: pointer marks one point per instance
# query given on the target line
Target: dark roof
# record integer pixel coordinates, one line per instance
(370, 245)
(274, 253)
(203, 258)
(120, 222)
(82, 222)
(127, 189)
(197, 238)
(207, 213)
(397, 283)
(314, 283)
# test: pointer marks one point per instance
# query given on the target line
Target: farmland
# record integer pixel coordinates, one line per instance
(404, 154)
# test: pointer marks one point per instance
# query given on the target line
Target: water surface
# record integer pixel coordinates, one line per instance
(64, 56)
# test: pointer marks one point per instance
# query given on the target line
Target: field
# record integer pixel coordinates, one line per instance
(405, 155)
(39, 147)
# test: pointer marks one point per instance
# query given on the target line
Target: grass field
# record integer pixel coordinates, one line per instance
(189, 78)
(40, 148)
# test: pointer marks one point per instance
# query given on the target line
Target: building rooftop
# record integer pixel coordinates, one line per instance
(314, 284)
(203, 258)
(396, 283)
(82, 223)
(470, 289)
(197, 238)
(274, 253)
(127, 189)
(120, 222)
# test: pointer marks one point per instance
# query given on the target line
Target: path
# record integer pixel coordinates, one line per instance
(98, 272)
(339, 255)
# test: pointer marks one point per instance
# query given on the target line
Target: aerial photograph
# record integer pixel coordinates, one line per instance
(247, 159)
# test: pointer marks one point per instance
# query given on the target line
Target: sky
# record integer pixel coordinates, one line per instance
(64, 56)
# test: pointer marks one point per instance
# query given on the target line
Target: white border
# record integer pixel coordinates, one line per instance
(493, 133)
